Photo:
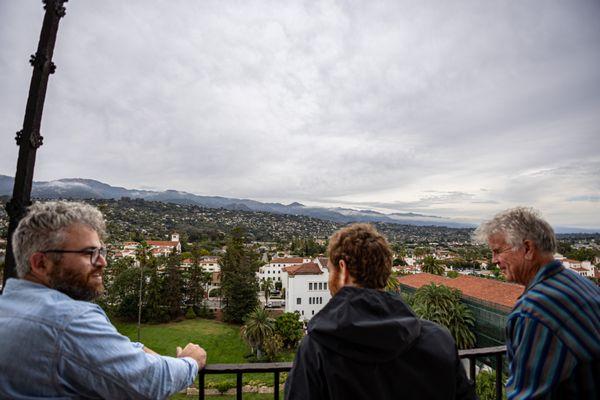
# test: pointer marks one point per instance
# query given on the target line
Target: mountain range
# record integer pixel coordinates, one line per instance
(77, 188)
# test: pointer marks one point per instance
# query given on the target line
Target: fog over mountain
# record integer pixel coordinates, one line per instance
(77, 188)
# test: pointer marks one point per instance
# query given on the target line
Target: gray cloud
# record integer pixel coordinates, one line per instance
(452, 108)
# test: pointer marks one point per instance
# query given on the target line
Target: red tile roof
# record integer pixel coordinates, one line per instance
(289, 260)
(490, 290)
(161, 243)
(304, 269)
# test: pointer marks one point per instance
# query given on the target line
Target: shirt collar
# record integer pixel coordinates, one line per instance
(18, 285)
(545, 272)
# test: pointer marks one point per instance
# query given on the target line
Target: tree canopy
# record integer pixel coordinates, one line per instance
(239, 285)
(441, 304)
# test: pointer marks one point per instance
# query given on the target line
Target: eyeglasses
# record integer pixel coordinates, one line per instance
(94, 253)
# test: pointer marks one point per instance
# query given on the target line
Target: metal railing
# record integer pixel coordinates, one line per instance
(495, 353)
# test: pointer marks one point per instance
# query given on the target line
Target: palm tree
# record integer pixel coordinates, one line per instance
(431, 266)
(258, 328)
(142, 255)
(267, 286)
(392, 284)
(460, 324)
(441, 304)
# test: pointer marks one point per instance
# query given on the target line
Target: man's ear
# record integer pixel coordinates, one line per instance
(39, 266)
(345, 277)
(530, 249)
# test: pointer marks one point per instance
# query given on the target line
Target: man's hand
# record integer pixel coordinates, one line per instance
(194, 351)
(149, 351)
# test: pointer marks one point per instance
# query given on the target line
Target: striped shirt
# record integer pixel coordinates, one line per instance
(553, 338)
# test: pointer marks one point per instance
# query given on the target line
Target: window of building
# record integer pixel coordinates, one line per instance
(320, 285)
(313, 312)
(310, 300)
(298, 300)
(325, 286)
(310, 286)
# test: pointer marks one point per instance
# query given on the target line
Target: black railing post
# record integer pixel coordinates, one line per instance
(201, 380)
(238, 386)
(29, 138)
(276, 385)
(472, 371)
(499, 380)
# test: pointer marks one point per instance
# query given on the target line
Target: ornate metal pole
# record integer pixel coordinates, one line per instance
(29, 138)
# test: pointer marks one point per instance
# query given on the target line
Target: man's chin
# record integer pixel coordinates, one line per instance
(80, 293)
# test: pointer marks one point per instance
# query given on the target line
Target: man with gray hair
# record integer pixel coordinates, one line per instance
(53, 341)
(553, 332)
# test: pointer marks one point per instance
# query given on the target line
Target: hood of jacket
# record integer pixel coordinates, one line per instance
(365, 325)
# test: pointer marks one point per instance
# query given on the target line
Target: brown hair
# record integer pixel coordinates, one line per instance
(366, 253)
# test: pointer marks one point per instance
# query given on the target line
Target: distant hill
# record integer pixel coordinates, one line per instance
(77, 188)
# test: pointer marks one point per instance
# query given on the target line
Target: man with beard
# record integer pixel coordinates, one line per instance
(53, 341)
(366, 343)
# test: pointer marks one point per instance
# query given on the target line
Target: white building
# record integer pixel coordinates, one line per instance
(307, 288)
(583, 268)
(164, 248)
(207, 263)
(274, 269)
(156, 247)
(210, 264)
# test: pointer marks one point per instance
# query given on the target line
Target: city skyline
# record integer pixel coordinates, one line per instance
(457, 110)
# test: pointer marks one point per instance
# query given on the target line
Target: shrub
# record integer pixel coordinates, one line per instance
(224, 386)
(272, 346)
(289, 328)
(486, 386)
(190, 314)
(204, 312)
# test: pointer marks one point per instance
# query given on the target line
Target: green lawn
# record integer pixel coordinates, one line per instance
(221, 341)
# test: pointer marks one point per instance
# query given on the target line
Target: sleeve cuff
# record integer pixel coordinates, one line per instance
(193, 366)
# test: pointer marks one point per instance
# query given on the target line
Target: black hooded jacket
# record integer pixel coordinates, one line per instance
(368, 344)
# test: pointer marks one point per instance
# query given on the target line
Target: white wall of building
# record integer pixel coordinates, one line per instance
(274, 270)
(307, 294)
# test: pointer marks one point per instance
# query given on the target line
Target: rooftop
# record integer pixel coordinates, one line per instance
(288, 260)
(162, 243)
(310, 268)
(490, 290)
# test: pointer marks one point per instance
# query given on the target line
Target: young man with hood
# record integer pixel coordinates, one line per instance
(366, 343)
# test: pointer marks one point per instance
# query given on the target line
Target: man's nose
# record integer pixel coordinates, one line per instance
(100, 262)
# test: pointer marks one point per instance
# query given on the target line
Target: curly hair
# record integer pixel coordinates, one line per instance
(43, 227)
(366, 253)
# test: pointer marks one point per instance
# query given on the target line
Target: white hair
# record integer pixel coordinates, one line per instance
(42, 228)
(519, 224)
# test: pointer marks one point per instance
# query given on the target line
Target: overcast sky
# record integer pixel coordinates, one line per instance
(451, 108)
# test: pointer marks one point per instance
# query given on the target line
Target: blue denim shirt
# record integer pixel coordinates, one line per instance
(55, 347)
